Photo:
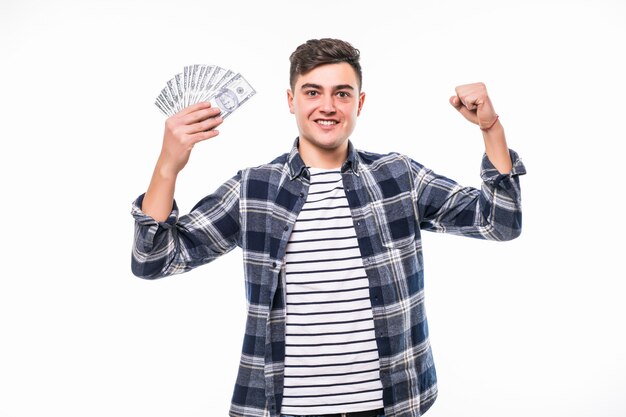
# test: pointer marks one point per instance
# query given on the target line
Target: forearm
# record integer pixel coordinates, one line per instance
(182, 131)
(159, 198)
(473, 103)
(496, 148)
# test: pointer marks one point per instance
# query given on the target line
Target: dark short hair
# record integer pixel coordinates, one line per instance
(316, 52)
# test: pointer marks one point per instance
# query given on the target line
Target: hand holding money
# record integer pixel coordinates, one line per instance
(196, 101)
(193, 99)
(183, 130)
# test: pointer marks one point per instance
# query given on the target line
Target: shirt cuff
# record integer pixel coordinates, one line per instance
(490, 174)
(146, 227)
(145, 220)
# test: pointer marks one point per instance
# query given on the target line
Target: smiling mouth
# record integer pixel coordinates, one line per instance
(326, 122)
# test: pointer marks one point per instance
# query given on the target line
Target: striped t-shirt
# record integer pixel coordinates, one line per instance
(331, 356)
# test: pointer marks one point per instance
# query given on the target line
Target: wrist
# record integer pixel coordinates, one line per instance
(486, 127)
(165, 171)
(496, 148)
(494, 134)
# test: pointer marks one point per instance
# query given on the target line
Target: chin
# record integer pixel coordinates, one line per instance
(328, 144)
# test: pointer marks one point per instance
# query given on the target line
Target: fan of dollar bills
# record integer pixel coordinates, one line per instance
(219, 86)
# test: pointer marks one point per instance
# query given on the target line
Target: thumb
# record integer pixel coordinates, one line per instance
(470, 115)
(456, 102)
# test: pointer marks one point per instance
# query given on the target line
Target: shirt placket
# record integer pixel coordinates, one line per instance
(299, 187)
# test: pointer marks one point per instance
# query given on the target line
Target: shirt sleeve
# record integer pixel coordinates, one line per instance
(492, 212)
(177, 245)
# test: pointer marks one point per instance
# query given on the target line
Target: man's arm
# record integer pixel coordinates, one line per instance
(182, 131)
(493, 212)
(164, 244)
(209, 230)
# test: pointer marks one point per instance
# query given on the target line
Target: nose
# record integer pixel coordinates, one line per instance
(328, 104)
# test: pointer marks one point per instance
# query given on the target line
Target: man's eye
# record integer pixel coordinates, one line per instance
(343, 94)
(311, 93)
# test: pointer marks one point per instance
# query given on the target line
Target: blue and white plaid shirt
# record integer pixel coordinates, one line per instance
(392, 199)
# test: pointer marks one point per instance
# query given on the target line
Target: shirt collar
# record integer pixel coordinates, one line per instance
(297, 166)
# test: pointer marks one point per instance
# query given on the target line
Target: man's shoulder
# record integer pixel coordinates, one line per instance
(278, 164)
(280, 160)
(375, 161)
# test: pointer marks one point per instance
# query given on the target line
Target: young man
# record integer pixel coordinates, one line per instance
(331, 245)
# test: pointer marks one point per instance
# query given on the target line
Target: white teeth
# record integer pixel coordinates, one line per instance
(326, 122)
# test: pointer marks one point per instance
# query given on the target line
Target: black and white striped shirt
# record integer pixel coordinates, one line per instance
(331, 356)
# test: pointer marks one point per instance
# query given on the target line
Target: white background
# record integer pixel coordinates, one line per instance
(532, 327)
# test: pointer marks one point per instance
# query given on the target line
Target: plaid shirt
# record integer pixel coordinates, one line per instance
(392, 198)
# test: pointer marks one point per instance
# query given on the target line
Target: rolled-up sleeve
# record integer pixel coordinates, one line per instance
(179, 244)
(492, 212)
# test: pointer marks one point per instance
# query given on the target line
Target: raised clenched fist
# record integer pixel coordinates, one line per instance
(472, 101)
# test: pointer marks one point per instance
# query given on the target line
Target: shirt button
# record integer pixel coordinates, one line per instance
(301, 195)
(286, 228)
(358, 223)
(273, 264)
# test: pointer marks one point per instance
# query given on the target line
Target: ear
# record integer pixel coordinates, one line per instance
(361, 101)
(290, 101)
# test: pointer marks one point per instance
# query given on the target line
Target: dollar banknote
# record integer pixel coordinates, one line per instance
(220, 86)
(232, 94)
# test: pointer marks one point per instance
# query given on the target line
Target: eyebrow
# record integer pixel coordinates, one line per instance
(319, 87)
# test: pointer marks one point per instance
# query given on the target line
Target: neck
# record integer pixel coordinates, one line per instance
(316, 157)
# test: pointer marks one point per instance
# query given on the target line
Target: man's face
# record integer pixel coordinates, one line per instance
(326, 102)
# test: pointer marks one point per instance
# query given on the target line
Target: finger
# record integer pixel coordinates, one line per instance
(202, 136)
(456, 102)
(468, 114)
(467, 94)
(470, 105)
(193, 108)
(200, 115)
(205, 125)
(469, 100)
